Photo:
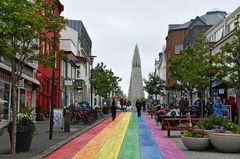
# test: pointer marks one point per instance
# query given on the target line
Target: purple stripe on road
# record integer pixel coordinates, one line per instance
(168, 149)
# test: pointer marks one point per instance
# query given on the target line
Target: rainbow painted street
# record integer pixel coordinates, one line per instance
(128, 137)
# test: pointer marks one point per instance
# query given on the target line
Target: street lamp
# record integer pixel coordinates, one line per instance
(91, 94)
(52, 91)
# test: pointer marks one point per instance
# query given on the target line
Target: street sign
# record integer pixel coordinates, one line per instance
(21, 83)
(68, 82)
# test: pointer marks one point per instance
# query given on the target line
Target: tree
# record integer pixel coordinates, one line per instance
(228, 61)
(191, 67)
(21, 23)
(103, 80)
(154, 85)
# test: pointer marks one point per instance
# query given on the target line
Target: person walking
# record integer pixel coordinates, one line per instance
(144, 105)
(209, 107)
(217, 106)
(113, 109)
(139, 107)
(197, 105)
(233, 108)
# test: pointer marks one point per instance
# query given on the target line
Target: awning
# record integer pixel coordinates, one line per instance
(31, 79)
(218, 85)
(5, 67)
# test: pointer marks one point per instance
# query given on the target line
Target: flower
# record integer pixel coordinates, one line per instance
(218, 129)
(25, 120)
(231, 126)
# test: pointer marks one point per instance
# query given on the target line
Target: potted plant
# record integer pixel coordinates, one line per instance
(213, 122)
(196, 140)
(226, 142)
(26, 129)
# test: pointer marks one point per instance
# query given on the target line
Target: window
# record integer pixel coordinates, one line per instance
(178, 48)
(231, 26)
(4, 100)
(69, 70)
(43, 47)
(78, 73)
(211, 38)
(63, 68)
(219, 34)
(73, 72)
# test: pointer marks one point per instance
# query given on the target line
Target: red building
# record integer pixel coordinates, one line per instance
(44, 75)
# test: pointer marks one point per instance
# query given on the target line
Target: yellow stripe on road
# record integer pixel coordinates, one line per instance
(113, 145)
(90, 150)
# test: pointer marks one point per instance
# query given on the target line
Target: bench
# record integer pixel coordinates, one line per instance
(160, 118)
(179, 124)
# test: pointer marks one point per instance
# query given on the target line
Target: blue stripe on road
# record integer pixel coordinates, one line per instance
(148, 147)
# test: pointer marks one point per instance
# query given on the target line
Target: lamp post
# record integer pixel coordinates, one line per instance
(91, 93)
(52, 91)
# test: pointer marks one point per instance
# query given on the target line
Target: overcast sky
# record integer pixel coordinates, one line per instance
(116, 26)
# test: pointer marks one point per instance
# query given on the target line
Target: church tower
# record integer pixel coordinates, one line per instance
(136, 83)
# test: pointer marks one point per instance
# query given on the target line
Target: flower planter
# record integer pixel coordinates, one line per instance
(225, 142)
(196, 144)
(23, 138)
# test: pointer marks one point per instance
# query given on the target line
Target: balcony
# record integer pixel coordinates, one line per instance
(68, 46)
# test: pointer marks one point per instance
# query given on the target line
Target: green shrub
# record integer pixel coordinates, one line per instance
(195, 133)
(212, 121)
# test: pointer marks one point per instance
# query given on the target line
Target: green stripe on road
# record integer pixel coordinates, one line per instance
(130, 145)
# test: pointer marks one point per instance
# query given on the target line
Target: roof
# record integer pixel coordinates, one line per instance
(80, 28)
(210, 18)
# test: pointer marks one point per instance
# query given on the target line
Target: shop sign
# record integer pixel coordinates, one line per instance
(221, 91)
(68, 82)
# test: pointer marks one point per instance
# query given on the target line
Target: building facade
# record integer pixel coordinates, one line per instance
(219, 35)
(84, 63)
(181, 35)
(44, 74)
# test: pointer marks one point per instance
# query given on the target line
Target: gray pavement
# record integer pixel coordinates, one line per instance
(210, 154)
(41, 145)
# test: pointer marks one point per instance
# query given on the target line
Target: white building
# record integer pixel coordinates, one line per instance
(75, 69)
(220, 34)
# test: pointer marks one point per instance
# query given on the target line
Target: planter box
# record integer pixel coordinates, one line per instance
(225, 142)
(196, 144)
(23, 138)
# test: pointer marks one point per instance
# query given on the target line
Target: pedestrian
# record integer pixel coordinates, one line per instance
(197, 106)
(113, 109)
(217, 106)
(139, 107)
(233, 105)
(209, 106)
(144, 105)
(183, 104)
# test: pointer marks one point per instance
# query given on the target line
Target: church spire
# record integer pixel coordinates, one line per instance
(136, 83)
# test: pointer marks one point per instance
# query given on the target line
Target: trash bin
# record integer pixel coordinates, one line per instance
(67, 120)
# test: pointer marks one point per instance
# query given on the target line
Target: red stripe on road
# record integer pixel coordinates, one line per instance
(72, 147)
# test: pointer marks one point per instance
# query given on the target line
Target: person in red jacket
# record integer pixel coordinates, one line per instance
(233, 104)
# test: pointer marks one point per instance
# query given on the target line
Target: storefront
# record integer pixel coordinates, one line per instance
(5, 99)
(26, 92)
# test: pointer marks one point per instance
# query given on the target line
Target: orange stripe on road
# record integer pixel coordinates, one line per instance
(90, 150)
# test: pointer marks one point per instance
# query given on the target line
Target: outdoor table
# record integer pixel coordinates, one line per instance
(179, 123)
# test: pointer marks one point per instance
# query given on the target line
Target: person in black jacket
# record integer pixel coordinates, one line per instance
(113, 109)
(139, 107)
